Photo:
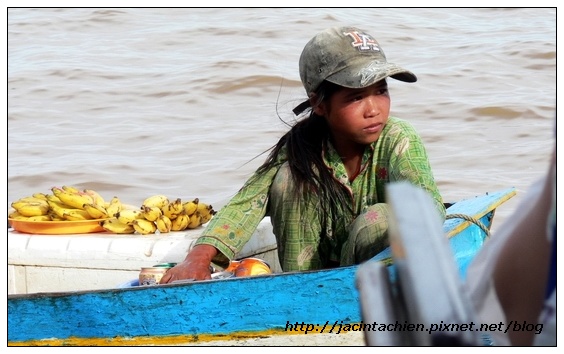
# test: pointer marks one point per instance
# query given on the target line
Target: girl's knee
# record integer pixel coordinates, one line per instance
(374, 219)
(368, 234)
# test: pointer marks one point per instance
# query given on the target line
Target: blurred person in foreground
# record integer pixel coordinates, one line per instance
(513, 278)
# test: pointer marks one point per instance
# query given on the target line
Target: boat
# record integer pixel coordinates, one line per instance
(196, 312)
(423, 302)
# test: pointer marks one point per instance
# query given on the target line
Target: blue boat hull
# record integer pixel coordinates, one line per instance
(219, 309)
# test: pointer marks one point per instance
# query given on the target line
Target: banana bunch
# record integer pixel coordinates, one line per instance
(66, 203)
(33, 208)
(159, 213)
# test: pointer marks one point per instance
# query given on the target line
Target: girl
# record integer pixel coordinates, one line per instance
(323, 182)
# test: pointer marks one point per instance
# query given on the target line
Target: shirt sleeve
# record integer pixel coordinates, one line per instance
(234, 224)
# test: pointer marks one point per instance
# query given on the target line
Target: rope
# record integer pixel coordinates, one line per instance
(389, 260)
(471, 219)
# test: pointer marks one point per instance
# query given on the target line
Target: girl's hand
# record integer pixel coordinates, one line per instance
(196, 266)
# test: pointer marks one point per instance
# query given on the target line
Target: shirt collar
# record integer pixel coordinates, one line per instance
(333, 161)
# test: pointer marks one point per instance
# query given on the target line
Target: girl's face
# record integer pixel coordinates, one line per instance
(357, 116)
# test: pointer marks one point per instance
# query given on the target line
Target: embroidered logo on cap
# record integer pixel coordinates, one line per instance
(363, 41)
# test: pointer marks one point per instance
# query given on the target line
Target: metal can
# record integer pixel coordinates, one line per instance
(252, 266)
(222, 275)
(152, 275)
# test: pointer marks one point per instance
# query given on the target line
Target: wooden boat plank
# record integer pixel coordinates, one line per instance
(477, 207)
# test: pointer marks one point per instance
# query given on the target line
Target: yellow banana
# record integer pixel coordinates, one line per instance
(127, 216)
(98, 199)
(173, 209)
(164, 224)
(151, 213)
(144, 227)
(40, 196)
(53, 198)
(207, 217)
(17, 216)
(57, 208)
(76, 215)
(180, 222)
(114, 226)
(114, 206)
(75, 200)
(31, 208)
(56, 190)
(70, 189)
(96, 211)
(64, 212)
(191, 206)
(39, 218)
(204, 209)
(194, 220)
(30, 199)
(55, 217)
(159, 201)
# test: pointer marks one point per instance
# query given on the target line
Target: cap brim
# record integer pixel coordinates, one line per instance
(364, 73)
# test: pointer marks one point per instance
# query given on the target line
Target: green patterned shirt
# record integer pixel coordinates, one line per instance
(397, 155)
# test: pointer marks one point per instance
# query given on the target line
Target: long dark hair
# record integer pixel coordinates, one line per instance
(304, 145)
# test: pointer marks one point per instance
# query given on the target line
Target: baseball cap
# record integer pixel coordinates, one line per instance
(346, 56)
